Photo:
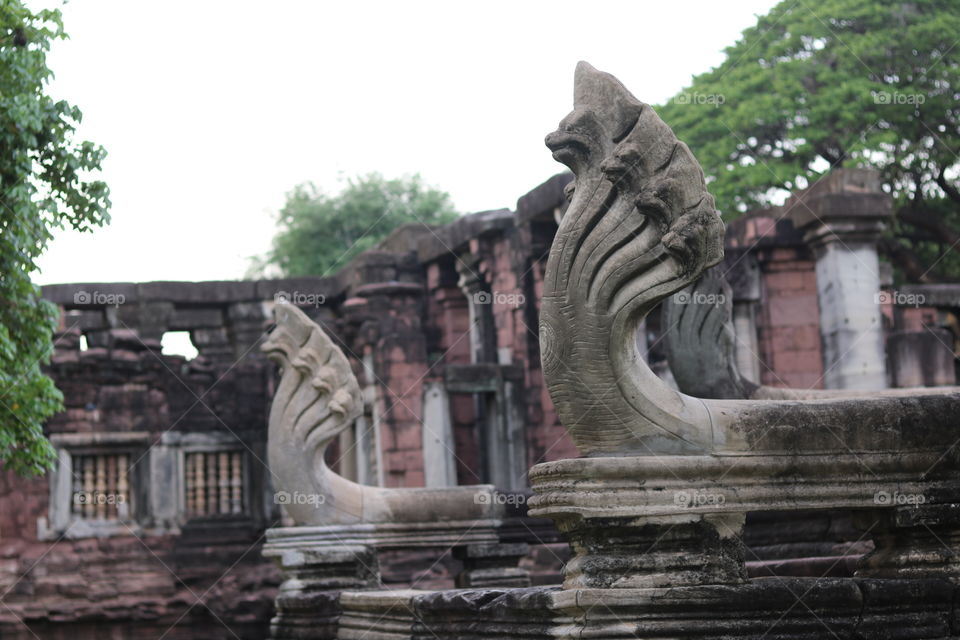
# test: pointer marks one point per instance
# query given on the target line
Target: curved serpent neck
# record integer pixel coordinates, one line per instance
(640, 226)
(318, 397)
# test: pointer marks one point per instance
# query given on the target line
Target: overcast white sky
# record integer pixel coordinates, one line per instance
(212, 111)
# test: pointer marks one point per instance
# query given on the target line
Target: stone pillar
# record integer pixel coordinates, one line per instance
(483, 343)
(842, 217)
(490, 408)
(372, 432)
(921, 358)
(439, 466)
(307, 605)
(743, 274)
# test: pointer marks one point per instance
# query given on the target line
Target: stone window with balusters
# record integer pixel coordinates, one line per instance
(133, 483)
(214, 483)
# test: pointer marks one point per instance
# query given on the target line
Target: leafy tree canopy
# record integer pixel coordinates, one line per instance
(839, 83)
(43, 185)
(319, 233)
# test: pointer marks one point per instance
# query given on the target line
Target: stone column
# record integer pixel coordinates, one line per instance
(842, 217)
(307, 605)
(483, 350)
(483, 343)
(743, 274)
(439, 466)
(922, 358)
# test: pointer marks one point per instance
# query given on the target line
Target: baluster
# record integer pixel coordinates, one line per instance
(236, 482)
(110, 496)
(100, 491)
(89, 482)
(123, 487)
(223, 488)
(211, 483)
(78, 488)
(200, 485)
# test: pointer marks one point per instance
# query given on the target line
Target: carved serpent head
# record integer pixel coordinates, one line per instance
(640, 226)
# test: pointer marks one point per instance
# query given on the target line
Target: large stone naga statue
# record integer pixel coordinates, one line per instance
(640, 226)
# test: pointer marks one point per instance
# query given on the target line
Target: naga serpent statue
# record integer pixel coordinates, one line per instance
(640, 226)
(317, 398)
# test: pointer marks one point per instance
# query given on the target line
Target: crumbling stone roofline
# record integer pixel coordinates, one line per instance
(426, 243)
(187, 293)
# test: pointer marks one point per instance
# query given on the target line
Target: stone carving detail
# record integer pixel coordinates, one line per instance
(340, 525)
(662, 465)
(639, 227)
(700, 340)
(700, 344)
(317, 398)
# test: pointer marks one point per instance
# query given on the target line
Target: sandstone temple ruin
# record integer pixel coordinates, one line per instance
(600, 415)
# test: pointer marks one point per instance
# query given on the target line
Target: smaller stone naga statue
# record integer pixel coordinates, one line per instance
(317, 398)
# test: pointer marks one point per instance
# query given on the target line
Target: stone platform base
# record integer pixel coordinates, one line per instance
(769, 609)
(306, 616)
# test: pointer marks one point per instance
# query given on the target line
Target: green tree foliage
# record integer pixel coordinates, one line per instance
(839, 83)
(319, 233)
(43, 185)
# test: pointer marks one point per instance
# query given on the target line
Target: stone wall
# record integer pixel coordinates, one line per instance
(787, 312)
(157, 571)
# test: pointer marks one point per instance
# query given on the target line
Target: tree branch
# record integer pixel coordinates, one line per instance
(948, 188)
(907, 260)
(930, 221)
